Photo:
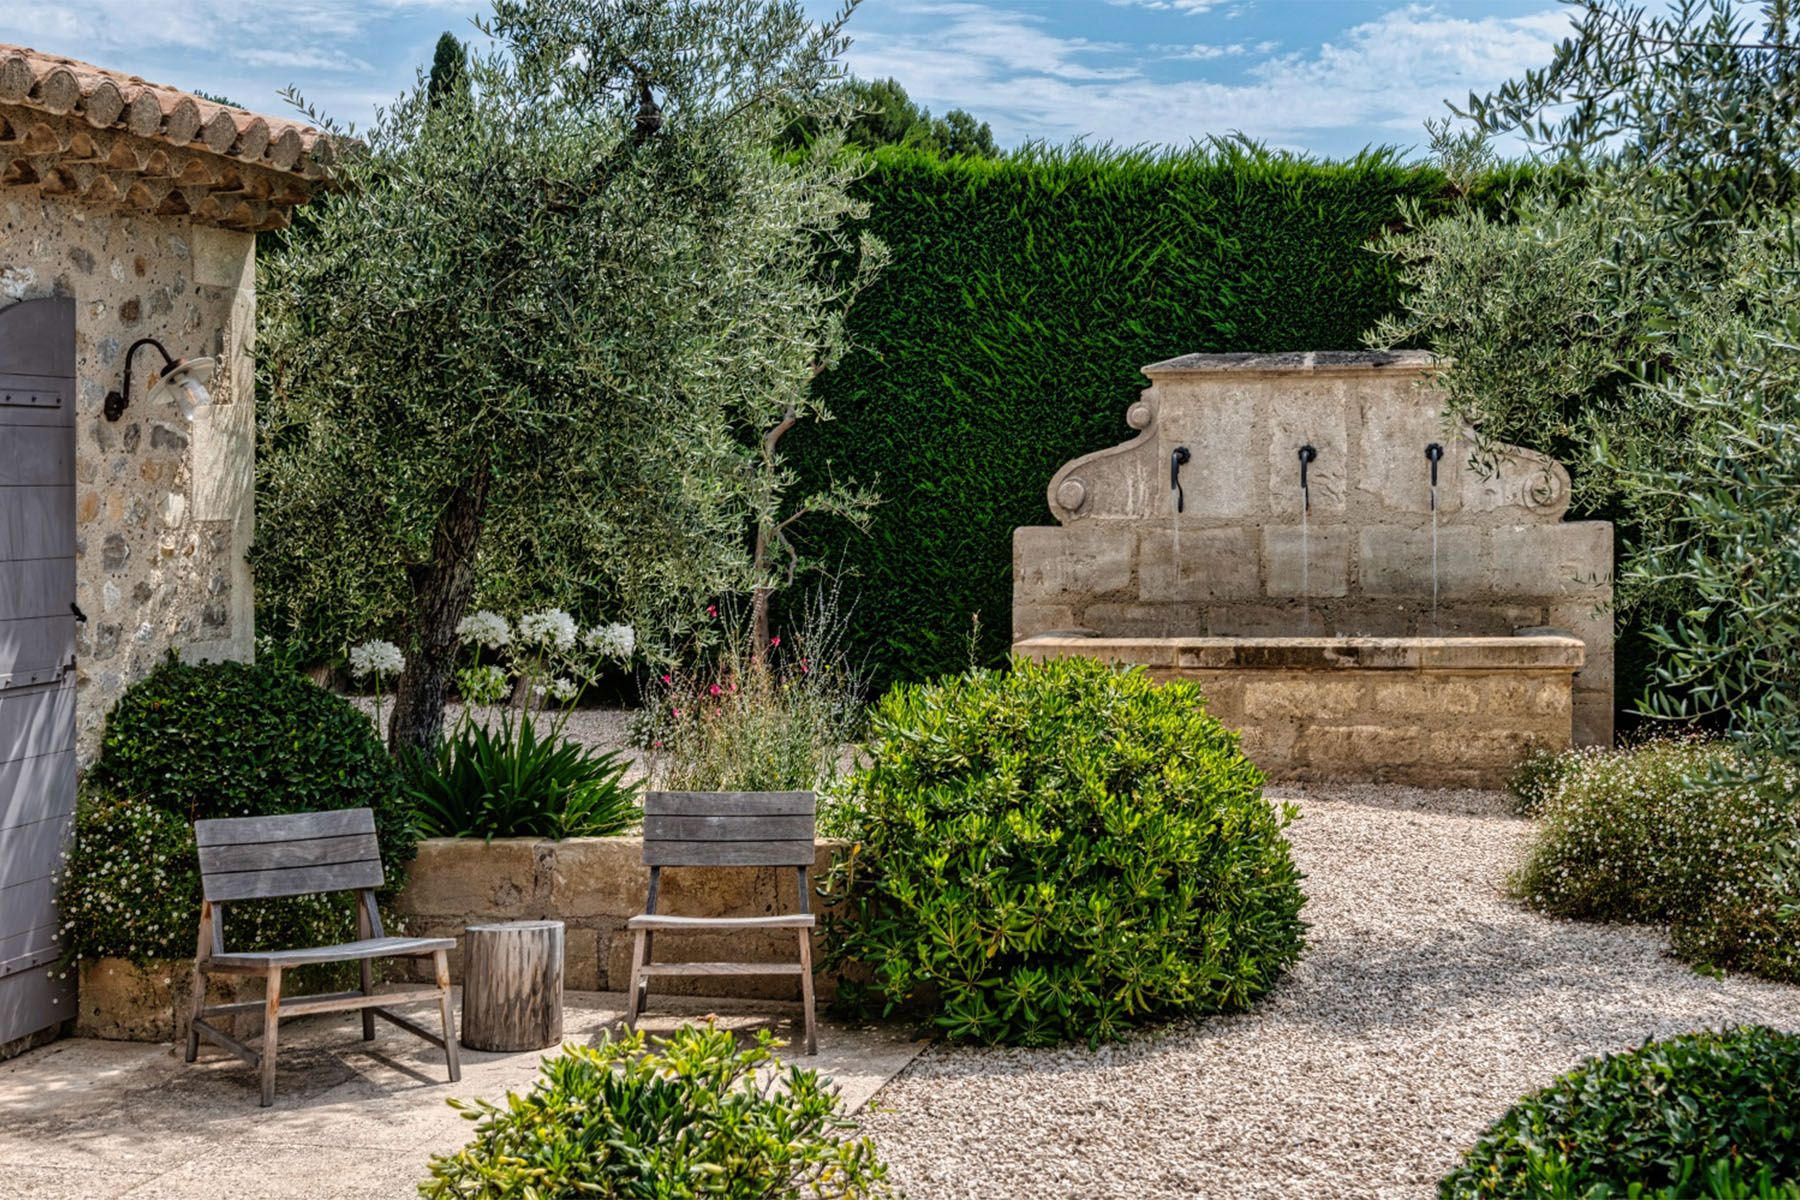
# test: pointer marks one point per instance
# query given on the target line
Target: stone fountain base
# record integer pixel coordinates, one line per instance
(1432, 712)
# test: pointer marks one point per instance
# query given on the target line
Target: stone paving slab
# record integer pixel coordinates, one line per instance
(89, 1119)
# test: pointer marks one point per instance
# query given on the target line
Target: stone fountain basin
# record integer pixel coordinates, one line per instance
(1427, 711)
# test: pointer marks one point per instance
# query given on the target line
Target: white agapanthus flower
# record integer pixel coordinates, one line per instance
(563, 689)
(552, 627)
(614, 641)
(376, 658)
(485, 628)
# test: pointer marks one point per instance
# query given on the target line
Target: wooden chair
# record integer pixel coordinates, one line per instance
(259, 858)
(724, 829)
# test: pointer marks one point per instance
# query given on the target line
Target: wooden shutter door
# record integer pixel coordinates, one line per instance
(37, 654)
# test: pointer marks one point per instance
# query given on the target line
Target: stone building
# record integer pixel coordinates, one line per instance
(141, 203)
(128, 211)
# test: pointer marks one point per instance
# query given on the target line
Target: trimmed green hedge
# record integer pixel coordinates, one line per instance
(1005, 339)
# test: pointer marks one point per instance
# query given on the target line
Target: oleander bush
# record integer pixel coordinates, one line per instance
(1057, 853)
(688, 1118)
(192, 741)
(1690, 834)
(1701, 1115)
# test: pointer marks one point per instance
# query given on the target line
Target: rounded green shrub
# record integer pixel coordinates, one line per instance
(686, 1119)
(1684, 833)
(1056, 853)
(1703, 1114)
(194, 741)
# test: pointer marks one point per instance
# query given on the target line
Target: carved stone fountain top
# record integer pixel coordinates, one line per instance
(1243, 417)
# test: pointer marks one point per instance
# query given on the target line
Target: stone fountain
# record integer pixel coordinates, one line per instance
(1371, 627)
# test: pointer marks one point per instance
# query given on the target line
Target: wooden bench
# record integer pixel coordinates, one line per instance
(724, 829)
(261, 858)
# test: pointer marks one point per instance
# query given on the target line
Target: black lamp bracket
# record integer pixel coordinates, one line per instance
(118, 402)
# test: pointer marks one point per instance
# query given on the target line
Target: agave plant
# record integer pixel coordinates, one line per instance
(509, 782)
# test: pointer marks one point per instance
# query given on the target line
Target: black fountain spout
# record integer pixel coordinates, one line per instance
(1178, 458)
(1307, 456)
(1434, 453)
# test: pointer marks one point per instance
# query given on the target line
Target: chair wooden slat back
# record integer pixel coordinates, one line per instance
(729, 829)
(256, 858)
(725, 829)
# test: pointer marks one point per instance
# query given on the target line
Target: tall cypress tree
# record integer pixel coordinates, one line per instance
(449, 76)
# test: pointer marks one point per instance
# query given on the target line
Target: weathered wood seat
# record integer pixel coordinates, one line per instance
(260, 858)
(724, 829)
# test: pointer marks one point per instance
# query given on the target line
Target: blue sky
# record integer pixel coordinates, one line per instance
(1325, 76)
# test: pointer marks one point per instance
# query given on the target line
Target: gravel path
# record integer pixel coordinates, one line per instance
(1425, 1005)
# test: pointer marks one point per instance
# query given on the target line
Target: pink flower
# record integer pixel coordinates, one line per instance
(666, 679)
(804, 669)
(678, 712)
(712, 610)
(713, 690)
(775, 641)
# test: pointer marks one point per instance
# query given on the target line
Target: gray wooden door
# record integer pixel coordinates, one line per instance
(37, 654)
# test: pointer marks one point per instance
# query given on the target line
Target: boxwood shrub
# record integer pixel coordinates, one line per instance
(191, 741)
(1056, 853)
(687, 1118)
(1703, 1114)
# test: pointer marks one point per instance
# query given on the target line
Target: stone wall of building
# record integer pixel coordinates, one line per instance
(164, 508)
(1238, 561)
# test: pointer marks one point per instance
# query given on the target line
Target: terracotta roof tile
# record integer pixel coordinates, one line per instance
(67, 127)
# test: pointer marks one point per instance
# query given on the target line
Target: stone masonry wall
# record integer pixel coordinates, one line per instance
(164, 508)
(1121, 562)
(593, 885)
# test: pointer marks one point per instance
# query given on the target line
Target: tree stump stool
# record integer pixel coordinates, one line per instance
(512, 985)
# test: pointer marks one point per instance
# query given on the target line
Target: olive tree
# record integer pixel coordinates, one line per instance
(541, 320)
(1629, 312)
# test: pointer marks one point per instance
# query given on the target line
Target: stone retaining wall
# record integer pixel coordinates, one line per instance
(594, 885)
(1434, 712)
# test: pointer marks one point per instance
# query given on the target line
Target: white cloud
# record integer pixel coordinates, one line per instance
(224, 27)
(1208, 51)
(344, 53)
(1190, 7)
(1380, 79)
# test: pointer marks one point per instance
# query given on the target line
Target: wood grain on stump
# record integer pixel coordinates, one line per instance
(512, 985)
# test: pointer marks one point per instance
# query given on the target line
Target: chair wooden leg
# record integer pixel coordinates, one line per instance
(193, 1037)
(271, 1035)
(368, 989)
(441, 961)
(806, 991)
(634, 998)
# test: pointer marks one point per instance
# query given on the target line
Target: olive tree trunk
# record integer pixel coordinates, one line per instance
(442, 588)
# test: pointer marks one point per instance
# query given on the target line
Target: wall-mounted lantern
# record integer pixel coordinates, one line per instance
(178, 378)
